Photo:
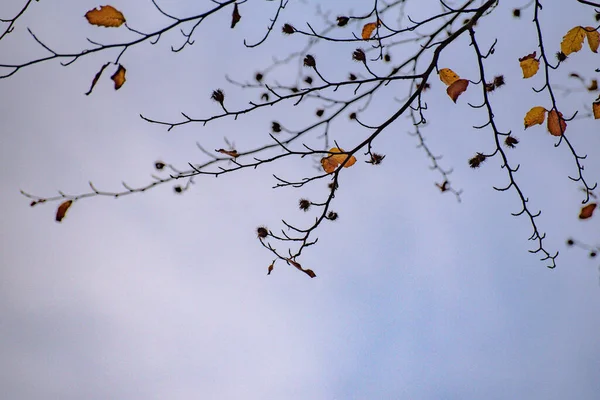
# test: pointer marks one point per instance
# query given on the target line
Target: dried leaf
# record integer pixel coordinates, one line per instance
(593, 86)
(308, 272)
(457, 88)
(573, 40)
(448, 76)
(96, 78)
(235, 16)
(106, 16)
(62, 210)
(556, 124)
(230, 153)
(587, 211)
(270, 269)
(593, 38)
(535, 116)
(119, 77)
(529, 65)
(330, 163)
(596, 108)
(368, 29)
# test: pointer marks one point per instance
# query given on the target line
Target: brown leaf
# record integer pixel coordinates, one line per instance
(235, 16)
(593, 86)
(270, 269)
(556, 124)
(106, 16)
(596, 108)
(230, 153)
(62, 210)
(96, 78)
(457, 88)
(587, 211)
(119, 77)
(308, 272)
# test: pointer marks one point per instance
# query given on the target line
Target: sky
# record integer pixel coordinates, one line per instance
(159, 295)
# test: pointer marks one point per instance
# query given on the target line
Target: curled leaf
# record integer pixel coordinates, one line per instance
(308, 272)
(95, 80)
(457, 88)
(119, 77)
(106, 16)
(230, 153)
(448, 76)
(529, 65)
(235, 16)
(593, 38)
(62, 210)
(573, 40)
(587, 211)
(556, 123)
(535, 116)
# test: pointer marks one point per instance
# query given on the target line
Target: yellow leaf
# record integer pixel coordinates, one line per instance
(593, 38)
(587, 211)
(535, 116)
(62, 210)
(106, 16)
(596, 108)
(368, 29)
(457, 88)
(331, 162)
(556, 124)
(119, 77)
(573, 40)
(448, 76)
(529, 65)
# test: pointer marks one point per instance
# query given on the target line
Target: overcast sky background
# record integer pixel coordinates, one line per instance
(159, 296)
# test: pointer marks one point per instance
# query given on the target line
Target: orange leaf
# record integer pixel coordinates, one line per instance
(529, 65)
(119, 77)
(235, 16)
(448, 76)
(230, 153)
(587, 211)
(596, 108)
(573, 40)
(535, 116)
(106, 16)
(331, 162)
(62, 210)
(95, 80)
(556, 124)
(368, 29)
(457, 88)
(593, 38)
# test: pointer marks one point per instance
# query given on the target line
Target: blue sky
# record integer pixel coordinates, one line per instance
(162, 296)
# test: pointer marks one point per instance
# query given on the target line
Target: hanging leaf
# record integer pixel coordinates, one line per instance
(308, 272)
(270, 269)
(596, 108)
(96, 78)
(119, 77)
(448, 76)
(330, 163)
(535, 116)
(106, 16)
(62, 210)
(573, 40)
(457, 88)
(230, 153)
(593, 86)
(235, 16)
(368, 29)
(556, 124)
(593, 38)
(529, 65)
(587, 211)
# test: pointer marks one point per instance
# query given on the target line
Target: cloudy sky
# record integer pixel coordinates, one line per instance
(159, 295)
